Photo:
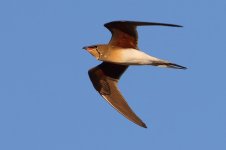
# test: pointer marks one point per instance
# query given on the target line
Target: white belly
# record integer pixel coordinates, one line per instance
(134, 57)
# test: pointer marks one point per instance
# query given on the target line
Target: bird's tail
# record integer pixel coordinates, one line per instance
(167, 65)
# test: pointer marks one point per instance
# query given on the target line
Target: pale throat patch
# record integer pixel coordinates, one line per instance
(95, 53)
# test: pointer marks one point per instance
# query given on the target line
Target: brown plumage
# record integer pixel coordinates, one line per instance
(121, 52)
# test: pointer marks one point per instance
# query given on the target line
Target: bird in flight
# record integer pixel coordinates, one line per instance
(116, 56)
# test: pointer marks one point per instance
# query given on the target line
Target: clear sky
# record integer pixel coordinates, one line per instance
(47, 101)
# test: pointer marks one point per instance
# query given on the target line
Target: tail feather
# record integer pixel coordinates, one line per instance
(168, 65)
(176, 66)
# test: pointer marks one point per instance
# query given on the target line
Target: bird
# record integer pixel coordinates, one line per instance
(121, 52)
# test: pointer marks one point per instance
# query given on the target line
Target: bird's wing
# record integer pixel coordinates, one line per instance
(124, 33)
(105, 78)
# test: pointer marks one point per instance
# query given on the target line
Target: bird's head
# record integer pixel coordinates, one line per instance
(93, 50)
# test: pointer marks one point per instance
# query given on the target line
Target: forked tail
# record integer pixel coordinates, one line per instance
(168, 65)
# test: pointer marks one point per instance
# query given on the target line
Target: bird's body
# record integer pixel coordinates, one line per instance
(121, 52)
(125, 56)
(129, 56)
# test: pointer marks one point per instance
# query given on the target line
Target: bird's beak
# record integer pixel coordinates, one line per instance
(85, 48)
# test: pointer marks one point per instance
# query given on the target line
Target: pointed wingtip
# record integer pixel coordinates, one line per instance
(141, 124)
(179, 26)
(144, 126)
(173, 25)
(184, 68)
(140, 23)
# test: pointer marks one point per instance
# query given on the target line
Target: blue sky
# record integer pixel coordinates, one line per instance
(46, 98)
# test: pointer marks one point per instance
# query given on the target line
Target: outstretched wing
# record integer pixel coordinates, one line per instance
(124, 33)
(105, 78)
